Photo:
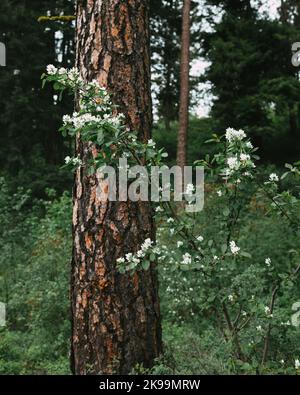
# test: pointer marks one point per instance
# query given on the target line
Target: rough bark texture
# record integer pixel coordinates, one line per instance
(116, 318)
(184, 85)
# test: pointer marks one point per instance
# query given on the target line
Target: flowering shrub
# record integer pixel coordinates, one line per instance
(98, 121)
(249, 302)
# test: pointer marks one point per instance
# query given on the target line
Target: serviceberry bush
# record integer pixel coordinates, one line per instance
(243, 296)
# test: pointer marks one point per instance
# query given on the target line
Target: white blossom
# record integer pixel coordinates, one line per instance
(219, 193)
(233, 163)
(189, 189)
(51, 69)
(273, 177)
(67, 119)
(267, 310)
(244, 157)
(129, 256)
(179, 244)
(230, 298)
(135, 260)
(146, 245)
(200, 238)
(234, 248)
(186, 259)
(73, 74)
(140, 254)
(77, 162)
(297, 364)
(151, 143)
(259, 328)
(232, 134)
(268, 261)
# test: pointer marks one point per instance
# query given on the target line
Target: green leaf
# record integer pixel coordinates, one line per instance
(226, 212)
(246, 254)
(223, 248)
(146, 265)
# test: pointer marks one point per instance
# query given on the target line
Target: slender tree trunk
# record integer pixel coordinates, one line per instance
(116, 318)
(184, 85)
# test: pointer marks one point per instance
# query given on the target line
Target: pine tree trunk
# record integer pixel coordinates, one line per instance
(184, 85)
(115, 318)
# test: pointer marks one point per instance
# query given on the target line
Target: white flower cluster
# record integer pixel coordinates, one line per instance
(268, 311)
(151, 143)
(73, 74)
(234, 248)
(51, 69)
(189, 189)
(268, 262)
(233, 135)
(273, 177)
(235, 163)
(240, 160)
(136, 258)
(74, 161)
(297, 364)
(186, 259)
(81, 120)
(245, 157)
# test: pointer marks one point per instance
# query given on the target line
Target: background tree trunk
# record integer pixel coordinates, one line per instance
(184, 85)
(116, 318)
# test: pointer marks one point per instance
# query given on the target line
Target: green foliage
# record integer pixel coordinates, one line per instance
(31, 150)
(200, 130)
(34, 270)
(253, 81)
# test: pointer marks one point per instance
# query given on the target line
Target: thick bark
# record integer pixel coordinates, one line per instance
(116, 318)
(184, 85)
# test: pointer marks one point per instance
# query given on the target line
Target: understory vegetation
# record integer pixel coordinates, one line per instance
(35, 269)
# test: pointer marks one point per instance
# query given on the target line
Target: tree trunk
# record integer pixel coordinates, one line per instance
(115, 317)
(184, 85)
